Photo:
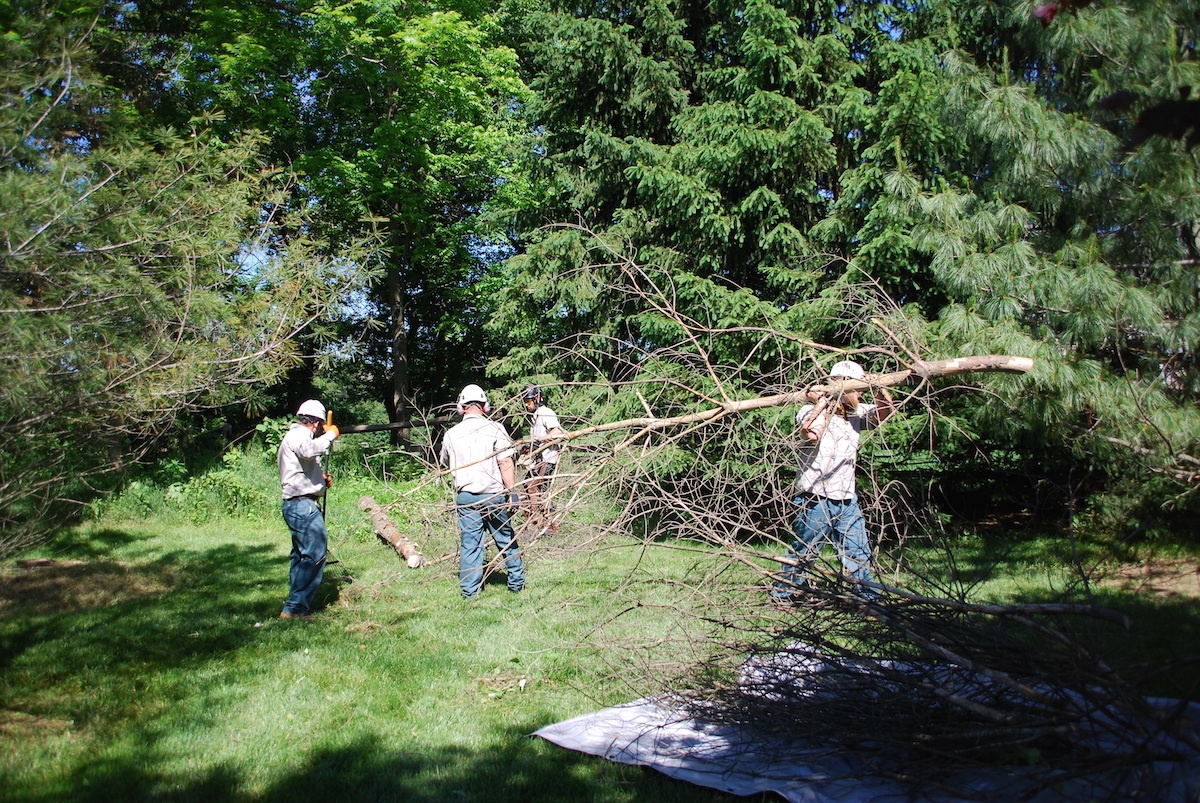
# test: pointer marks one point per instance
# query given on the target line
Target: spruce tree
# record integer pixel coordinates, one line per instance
(988, 172)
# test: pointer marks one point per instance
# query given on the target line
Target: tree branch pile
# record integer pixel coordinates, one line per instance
(943, 692)
(699, 453)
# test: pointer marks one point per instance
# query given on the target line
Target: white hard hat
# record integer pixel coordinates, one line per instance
(312, 407)
(846, 369)
(472, 394)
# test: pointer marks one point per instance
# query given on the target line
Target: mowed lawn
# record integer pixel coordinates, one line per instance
(144, 660)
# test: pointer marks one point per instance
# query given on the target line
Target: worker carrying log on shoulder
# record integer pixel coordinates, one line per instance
(826, 497)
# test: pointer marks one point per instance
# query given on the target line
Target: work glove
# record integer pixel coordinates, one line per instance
(333, 430)
(514, 502)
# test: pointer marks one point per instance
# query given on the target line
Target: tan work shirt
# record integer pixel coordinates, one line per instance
(299, 464)
(827, 466)
(471, 448)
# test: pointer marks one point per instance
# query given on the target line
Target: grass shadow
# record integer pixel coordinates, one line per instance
(88, 615)
(1158, 650)
(522, 769)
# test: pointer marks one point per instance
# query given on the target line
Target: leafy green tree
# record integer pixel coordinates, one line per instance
(414, 123)
(146, 272)
(403, 119)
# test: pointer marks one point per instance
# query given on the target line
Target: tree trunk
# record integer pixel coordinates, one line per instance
(397, 295)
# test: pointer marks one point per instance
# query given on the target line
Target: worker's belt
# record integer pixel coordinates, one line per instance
(314, 497)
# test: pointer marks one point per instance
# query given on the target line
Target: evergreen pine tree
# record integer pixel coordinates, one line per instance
(988, 172)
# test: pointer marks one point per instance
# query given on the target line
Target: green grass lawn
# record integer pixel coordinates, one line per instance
(149, 663)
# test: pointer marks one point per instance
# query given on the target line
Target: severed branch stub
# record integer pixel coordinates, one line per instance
(390, 534)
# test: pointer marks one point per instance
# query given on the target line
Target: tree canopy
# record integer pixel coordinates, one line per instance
(998, 180)
(147, 270)
(190, 185)
(402, 119)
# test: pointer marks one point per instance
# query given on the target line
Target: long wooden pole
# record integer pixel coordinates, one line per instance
(921, 371)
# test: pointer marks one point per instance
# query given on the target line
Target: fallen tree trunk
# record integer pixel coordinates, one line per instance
(390, 534)
(919, 372)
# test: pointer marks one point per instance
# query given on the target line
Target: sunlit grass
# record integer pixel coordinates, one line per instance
(158, 668)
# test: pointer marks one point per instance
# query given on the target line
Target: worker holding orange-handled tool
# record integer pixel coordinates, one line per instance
(303, 482)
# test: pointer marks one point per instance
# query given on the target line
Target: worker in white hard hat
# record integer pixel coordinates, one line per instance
(479, 453)
(826, 498)
(304, 482)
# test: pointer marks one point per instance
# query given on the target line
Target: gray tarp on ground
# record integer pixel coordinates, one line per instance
(644, 733)
(659, 734)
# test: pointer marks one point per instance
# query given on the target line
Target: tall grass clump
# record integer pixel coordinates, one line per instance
(243, 483)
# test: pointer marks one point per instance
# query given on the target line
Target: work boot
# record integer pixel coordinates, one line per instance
(307, 617)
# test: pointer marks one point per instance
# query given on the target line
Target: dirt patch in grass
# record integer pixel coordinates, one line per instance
(1177, 579)
(18, 724)
(44, 586)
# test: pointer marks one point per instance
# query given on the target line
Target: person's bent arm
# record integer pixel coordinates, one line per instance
(815, 422)
(314, 446)
(508, 473)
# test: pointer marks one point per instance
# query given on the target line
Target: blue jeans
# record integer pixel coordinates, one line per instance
(821, 520)
(309, 546)
(475, 513)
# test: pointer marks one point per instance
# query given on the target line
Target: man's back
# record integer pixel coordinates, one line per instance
(470, 449)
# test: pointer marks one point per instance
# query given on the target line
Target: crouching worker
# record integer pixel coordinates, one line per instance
(826, 500)
(479, 454)
(304, 482)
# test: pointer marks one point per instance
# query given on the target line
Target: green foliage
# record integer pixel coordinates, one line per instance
(245, 485)
(169, 472)
(404, 120)
(765, 162)
(271, 432)
(149, 271)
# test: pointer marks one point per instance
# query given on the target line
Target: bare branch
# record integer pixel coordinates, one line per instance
(923, 371)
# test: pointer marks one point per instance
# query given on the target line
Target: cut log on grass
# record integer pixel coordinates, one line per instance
(390, 534)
